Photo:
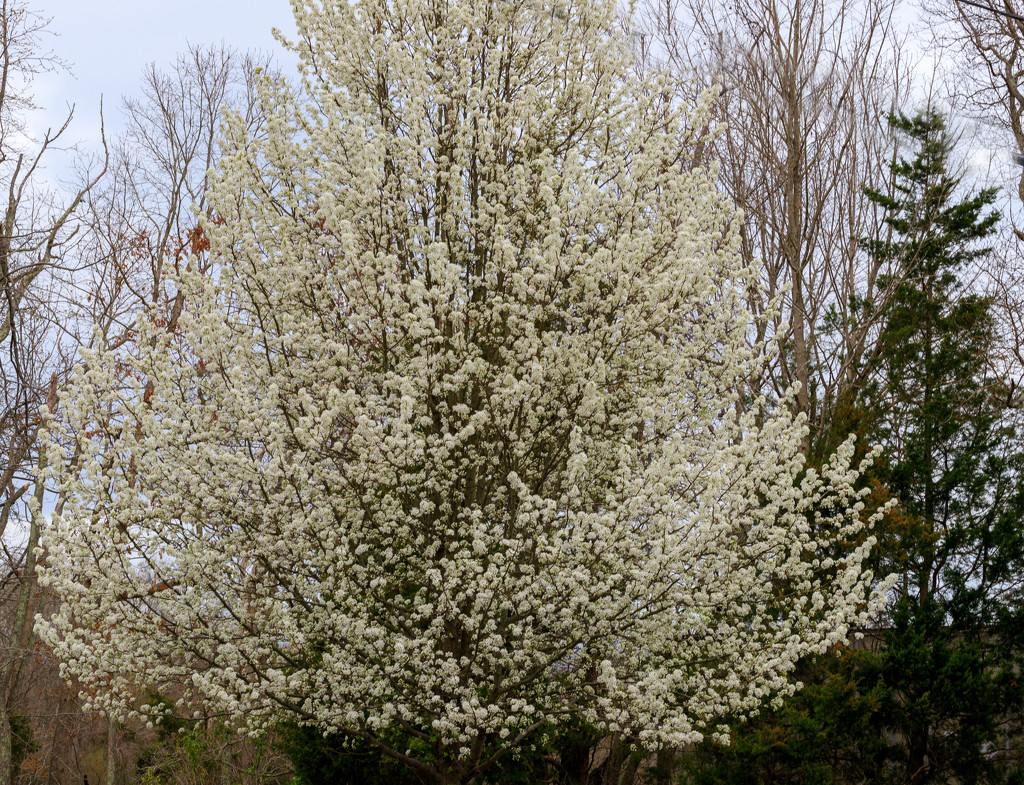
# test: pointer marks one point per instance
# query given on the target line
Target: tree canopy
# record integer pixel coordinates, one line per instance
(447, 445)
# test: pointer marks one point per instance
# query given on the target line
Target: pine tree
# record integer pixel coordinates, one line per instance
(931, 703)
(952, 455)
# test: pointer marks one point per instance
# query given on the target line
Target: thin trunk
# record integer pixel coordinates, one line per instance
(917, 758)
(792, 249)
(664, 766)
(225, 763)
(112, 752)
(629, 771)
(22, 628)
(917, 753)
(6, 774)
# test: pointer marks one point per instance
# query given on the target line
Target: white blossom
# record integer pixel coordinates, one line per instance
(459, 437)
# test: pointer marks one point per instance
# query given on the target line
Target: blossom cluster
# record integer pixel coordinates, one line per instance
(459, 437)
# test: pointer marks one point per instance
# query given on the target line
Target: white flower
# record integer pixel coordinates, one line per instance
(467, 449)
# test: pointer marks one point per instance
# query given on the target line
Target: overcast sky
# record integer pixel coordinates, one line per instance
(108, 43)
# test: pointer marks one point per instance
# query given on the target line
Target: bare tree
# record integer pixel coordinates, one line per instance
(984, 55)
(805, 90)
(65, 271)
(143, 221)
(35, 267)
(144, 218)
(986, 81)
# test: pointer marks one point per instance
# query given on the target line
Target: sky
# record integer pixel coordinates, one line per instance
(108, 43)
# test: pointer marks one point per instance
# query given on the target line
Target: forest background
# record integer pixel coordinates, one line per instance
(899, 262)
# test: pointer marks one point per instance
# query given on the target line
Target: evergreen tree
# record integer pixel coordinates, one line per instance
(952, 455)
(934, 702)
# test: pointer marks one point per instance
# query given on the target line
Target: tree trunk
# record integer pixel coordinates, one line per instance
(792, 241)
(111, 752)
(918, 766)
(22, 630)
(629, 771)
(6, 746)
(664, 766)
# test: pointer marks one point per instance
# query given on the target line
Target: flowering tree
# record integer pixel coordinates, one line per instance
(450, 447)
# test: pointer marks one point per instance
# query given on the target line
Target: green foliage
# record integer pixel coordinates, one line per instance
(930, 703)
(336, 760)
(191, 752)
(560, 755)
(954, 688)
(826, 733)
(23, 742)
(953, 456)
(170, 724)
